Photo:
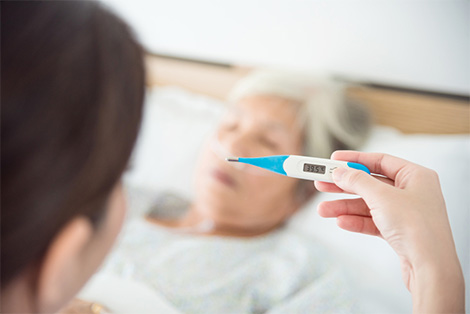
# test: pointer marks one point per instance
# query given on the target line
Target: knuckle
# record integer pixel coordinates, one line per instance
(353, 177)
(434, 176)
(430, 174)
(379, 162)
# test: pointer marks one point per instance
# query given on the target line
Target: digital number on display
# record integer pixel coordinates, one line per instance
(314, 168)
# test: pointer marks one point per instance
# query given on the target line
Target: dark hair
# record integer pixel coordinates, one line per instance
(72, 83)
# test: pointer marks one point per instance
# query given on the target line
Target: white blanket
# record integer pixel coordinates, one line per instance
(281, 272)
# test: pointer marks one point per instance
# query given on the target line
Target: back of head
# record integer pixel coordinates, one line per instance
(330, 121)
(72, 92)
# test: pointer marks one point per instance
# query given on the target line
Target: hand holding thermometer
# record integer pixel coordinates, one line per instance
(302, 167)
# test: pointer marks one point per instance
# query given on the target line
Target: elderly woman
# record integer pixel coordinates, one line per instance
(226, 251)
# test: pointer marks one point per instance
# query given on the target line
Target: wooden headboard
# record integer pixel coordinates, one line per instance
(408, 111)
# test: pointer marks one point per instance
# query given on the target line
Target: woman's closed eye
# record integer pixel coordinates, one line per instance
(267, 142)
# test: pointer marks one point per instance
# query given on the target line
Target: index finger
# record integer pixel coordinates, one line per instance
(379, 163)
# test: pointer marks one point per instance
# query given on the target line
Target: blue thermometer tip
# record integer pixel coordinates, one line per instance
(273, 163)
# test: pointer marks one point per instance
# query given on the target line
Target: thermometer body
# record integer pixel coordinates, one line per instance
(302, 167)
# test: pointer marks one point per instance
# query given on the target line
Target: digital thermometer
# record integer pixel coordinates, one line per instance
(302, 167)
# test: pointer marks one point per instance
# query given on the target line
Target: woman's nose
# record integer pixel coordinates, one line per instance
(239, 144)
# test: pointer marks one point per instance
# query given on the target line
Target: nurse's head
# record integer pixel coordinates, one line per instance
(72, 91)
(272, 113)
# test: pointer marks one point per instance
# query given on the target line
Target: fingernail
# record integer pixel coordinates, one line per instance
(338, 174)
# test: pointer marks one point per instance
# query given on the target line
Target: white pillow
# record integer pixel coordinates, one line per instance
(176, 122)
(174, 127)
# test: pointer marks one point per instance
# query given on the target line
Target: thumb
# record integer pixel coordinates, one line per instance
(358, 182)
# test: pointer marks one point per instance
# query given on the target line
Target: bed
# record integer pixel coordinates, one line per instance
(184, 101)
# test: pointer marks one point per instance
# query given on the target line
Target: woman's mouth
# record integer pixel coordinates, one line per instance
(223, 177)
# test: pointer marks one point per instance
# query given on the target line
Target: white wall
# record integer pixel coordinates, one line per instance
(406, 43)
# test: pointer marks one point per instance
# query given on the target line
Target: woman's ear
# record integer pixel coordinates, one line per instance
(61, 272)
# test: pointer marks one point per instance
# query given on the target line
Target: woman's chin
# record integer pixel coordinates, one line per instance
(213, 206)
(217, 191)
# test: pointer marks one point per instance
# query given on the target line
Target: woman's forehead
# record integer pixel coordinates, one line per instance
(273, 111)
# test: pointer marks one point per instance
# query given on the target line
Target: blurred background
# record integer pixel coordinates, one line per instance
(412, 59)
(413, 44)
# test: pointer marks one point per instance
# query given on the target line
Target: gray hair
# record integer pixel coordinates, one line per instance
(329, 121)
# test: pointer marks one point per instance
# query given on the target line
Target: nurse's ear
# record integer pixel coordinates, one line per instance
(76, 252)
(63, 269)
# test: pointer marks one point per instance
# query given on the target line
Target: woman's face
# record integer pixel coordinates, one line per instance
(247, 197)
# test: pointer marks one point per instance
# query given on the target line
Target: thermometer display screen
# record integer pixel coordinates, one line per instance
(314, 168)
